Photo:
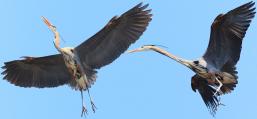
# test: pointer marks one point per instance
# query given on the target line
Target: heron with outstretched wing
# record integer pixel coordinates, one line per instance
(215, 71)
(77, 66)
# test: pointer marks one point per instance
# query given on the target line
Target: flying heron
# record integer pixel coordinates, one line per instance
(215, 71)
(77, 66)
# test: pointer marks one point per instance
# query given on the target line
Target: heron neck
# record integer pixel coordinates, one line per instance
(176, 58)
(57, 41)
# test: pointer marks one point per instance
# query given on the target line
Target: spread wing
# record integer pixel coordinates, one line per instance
(206, 92)
(110, 42)
(227, 33)
(49, 71)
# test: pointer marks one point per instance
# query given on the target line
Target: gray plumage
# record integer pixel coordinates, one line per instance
(216, 71)
(99, 50)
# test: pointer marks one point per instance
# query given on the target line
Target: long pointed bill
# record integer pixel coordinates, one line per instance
(47, 22)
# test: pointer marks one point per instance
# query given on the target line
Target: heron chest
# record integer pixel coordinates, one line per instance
(208, 74)
(72, 66)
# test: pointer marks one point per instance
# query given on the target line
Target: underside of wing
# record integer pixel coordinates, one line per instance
(206, 92)
(110, 42)
(40, 72)
(227, 33)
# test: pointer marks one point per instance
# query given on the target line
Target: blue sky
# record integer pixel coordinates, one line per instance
(135, 86)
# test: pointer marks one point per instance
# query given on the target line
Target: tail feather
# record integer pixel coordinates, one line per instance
(91, 78)
(227, 88)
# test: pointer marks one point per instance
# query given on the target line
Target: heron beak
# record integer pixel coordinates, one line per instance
(47, 22)
(135, 50)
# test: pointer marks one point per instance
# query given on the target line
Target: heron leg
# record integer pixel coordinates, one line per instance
(91, 101)
(219, 87)
(84, 109)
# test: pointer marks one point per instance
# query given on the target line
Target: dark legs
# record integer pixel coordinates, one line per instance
(219, 87)
(84, 109)
(91, 101)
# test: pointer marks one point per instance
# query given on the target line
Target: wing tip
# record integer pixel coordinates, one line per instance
(144, 7)
(148, 11)
(248, 5)
(250, 2)
(141, 6)
(245, 7)
(3, 67)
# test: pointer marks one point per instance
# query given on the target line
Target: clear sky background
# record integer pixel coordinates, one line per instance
(143, 85)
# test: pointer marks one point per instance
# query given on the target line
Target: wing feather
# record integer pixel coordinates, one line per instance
(206, 92)
(110, 42)
(40, 72)
(227, 33)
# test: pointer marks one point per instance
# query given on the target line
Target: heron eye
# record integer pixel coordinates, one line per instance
(196, 62)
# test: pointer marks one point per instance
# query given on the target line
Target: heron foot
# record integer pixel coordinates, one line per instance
(93, 106)
(84, 111)
(219, 87)
(91, 101)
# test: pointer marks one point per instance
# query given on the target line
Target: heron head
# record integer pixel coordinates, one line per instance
(49, 25)
(196, 66)
(143, 48)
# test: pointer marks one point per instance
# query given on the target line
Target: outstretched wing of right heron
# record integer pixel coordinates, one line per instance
(227, 33)
(40, 72)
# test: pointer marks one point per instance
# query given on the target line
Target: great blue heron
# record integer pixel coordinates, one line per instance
(215, 71)
(77, 66)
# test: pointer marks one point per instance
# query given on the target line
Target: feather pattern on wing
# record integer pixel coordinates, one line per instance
(110, 42)
(40, 72)
(227, 33)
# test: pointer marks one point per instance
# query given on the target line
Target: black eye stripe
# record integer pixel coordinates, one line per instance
(196, 62)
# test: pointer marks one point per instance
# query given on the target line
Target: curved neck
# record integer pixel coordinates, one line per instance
(57, 41)
(176, 58)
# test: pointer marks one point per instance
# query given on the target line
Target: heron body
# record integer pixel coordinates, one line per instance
(77, 66)
(210, 73)
(216, 70)
(71, 60)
